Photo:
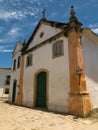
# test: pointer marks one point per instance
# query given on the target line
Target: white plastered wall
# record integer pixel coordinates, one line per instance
(3, 73)
(90, 53)
(15, 74)
(58, 82)
(48, 32)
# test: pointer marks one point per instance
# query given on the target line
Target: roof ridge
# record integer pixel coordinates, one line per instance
(54, 22)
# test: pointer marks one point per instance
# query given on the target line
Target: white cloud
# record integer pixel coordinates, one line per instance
(96, 5)
(7, 51)
(50, 0)
(1, 29)
(3, 40)
(34, 23)
(95, 30)
(62, 5)
(54, 14)
(93, 25)
(4, 49)
(5, 15)
(19, 13)
(86, 17)
(11, 35)
(1, 47)
(14, 31)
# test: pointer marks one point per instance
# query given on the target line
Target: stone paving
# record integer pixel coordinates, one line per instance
(14, 117)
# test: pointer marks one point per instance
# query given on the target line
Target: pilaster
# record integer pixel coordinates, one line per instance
(79, 100)
(20, 87)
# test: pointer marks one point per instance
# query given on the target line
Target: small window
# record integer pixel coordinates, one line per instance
(29, 60)
(14, 65)
(7, 91)
(18, 63)
(41, 34)
(58, 49)
(7, 82)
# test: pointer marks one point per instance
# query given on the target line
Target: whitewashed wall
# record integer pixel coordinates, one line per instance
(15, 74)
(90, 51)
(3, 74)
(58, 69)
(48, 32)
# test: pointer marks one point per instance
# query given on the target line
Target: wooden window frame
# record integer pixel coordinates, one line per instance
(55, 49)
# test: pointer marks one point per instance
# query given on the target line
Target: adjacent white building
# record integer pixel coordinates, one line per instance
(5, 75)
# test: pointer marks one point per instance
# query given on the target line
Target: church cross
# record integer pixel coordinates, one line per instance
(43, 12)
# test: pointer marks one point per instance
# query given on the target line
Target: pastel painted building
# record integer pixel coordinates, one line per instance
(5, 76)
(56, 68)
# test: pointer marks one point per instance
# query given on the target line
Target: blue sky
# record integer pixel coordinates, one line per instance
(18, 19)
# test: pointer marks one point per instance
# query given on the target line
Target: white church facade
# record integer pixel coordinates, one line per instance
(57, 68)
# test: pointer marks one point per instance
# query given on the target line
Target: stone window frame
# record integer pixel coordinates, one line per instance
(56, 51)
(29, 60)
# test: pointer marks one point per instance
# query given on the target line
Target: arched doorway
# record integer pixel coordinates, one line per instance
(41, 90)
(14, 91)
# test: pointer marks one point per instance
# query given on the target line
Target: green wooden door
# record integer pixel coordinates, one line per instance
(14, 91)
(41, 90)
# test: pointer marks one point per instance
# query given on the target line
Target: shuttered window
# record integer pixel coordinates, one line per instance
(58, 49)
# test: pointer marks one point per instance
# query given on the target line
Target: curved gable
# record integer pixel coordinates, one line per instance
(17, 48)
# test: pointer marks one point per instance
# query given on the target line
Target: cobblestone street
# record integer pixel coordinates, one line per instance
(14, 117)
